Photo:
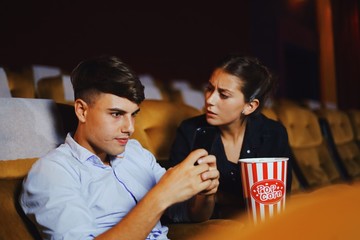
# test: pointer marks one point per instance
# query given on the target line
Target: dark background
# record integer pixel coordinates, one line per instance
(183, 39)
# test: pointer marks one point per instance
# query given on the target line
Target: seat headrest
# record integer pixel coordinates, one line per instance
(302, 126)
(340, 125)
(29, 128)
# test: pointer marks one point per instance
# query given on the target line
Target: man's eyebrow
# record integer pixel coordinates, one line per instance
(118, 110)
(136, 112)
(121, 111)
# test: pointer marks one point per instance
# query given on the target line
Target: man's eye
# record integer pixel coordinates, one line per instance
(134, 114)
(115, 114)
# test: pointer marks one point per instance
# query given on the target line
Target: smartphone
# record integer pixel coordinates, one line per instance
(204, 138)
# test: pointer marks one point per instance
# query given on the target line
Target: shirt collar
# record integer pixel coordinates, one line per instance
(83, 155)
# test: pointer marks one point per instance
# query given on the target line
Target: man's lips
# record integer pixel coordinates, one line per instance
(122, 141)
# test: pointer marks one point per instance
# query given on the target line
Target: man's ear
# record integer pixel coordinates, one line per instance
(251, 107)
(81, 109)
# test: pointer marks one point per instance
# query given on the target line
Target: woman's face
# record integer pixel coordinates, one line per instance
(224, 101)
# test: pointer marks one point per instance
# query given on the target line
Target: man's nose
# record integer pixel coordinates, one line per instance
(128, 125)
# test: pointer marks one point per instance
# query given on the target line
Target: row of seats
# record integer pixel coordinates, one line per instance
(52, 83)
(30, 127)
(325, 144)
(38, 81)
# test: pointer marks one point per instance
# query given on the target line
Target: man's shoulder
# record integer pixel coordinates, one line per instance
(55, 158)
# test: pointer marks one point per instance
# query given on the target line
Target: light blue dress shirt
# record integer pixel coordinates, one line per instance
(71, 194)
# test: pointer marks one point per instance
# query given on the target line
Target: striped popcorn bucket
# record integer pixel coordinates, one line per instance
(264, 185)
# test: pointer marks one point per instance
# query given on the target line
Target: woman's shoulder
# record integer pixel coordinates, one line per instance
(195, 121)
(269, 123)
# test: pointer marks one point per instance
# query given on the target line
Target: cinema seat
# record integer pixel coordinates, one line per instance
(156, 123)
(344, 138)
(354, 115)
(29, 129)
(58, 88)
(308, 145)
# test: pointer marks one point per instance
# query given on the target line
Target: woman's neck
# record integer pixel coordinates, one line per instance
(232, 138)
(233, 132)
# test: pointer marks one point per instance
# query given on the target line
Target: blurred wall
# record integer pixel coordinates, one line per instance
(182, 39)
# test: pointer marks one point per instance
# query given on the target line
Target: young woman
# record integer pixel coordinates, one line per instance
(237, 90)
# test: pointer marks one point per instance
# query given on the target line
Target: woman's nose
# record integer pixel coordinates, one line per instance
(210, 98)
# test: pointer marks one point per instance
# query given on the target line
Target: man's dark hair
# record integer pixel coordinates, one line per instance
(106, 74)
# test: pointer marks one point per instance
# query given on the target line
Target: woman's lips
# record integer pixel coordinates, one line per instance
(210, 113)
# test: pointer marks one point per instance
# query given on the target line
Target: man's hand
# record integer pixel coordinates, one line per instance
(211, 175)
(186, 179)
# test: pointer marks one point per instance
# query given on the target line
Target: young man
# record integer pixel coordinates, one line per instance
(100, 183)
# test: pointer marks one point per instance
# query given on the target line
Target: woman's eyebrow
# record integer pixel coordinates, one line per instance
(223, 90)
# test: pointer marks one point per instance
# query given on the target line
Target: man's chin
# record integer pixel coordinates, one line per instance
(116, 152)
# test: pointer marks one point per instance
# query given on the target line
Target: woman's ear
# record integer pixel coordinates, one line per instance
(81, 108)
(251, 107)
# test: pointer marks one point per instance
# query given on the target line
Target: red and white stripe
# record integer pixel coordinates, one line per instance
(258, 169)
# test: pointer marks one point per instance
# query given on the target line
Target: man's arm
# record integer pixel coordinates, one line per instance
(178, 184)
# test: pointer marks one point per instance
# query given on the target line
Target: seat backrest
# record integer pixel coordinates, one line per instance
(296, 185)
(4, 85)
(156, 124)
(185, 93)
(344, 139)
(58, 88)
(42, 71)
(354, 115)
(154, 89)
(21, 82)
(270, 113)
(307, 144)
(29, 128)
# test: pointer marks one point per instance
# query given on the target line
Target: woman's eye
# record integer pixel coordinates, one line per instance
(223, 96)
(208, 88)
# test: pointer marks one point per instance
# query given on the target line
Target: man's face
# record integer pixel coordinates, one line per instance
(108, 122)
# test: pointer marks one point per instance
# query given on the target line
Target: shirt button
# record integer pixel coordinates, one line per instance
(248, 151)
(232, 176)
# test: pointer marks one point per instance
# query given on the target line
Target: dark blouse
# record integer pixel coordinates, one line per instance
(263, 138)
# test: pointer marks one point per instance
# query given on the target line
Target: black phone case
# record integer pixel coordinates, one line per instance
(204, 138)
